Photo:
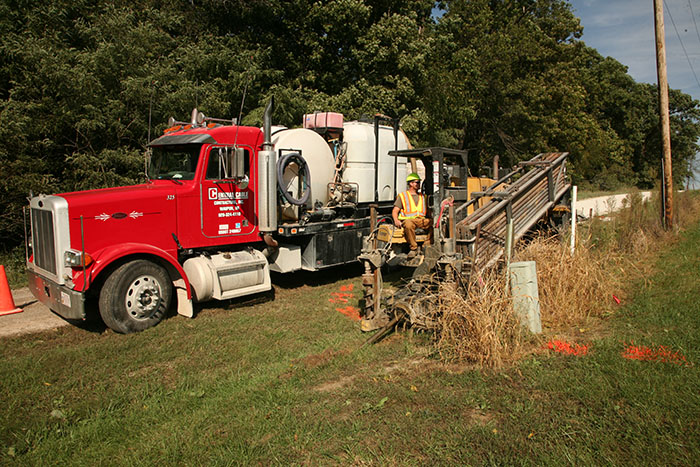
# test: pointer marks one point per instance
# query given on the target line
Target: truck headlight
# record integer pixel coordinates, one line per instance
(76, 259)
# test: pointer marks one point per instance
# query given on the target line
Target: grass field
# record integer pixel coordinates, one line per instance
(285, 381)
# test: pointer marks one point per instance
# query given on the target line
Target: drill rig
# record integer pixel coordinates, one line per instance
(477, 221)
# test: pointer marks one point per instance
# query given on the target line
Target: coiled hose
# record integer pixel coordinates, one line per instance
(282, 163)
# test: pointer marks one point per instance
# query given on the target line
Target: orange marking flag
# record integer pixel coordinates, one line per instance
(350, 312)
(566, 348)
(344, 297)
(660, 354)
(340, 297)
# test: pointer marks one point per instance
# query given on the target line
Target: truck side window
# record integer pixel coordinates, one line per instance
(216, 169)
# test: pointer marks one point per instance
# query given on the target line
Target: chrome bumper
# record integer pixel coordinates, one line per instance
(60, 299)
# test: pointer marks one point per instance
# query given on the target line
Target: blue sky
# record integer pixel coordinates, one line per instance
(624, 29)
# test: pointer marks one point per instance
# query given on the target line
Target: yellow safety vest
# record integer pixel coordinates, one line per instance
(409, 208)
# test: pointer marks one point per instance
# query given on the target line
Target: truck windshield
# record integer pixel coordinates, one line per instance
(174, 162)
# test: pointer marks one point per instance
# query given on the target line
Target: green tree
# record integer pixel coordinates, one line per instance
(84, 83)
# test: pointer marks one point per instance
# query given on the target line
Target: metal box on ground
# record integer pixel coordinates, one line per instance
(526, 301)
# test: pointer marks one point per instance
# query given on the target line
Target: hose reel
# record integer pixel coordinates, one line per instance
(282, 164)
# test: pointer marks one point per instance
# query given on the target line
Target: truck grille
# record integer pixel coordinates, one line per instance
(43, 240)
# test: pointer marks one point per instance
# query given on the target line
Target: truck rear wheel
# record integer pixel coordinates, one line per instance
(135, 297)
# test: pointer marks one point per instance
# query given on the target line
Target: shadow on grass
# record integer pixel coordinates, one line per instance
(396, 276)
(93, 321)
(316, 278)
(96, 326)
(232, 303)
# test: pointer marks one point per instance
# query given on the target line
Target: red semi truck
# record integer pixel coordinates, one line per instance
(224, 205)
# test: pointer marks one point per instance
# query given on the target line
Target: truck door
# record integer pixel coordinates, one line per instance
(226, 199)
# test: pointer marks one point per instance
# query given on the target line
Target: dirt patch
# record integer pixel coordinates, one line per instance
(312, 361)
(478, 417)
(263, 440)
(398, 367)
(166, 372)
(411, 366)
(316, 360)
(337, 384)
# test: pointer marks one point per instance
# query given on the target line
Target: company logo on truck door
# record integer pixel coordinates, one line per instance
(214, 193)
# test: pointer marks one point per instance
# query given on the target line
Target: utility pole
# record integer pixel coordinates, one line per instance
(667, 181)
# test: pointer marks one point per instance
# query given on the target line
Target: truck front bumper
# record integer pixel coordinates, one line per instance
(60, 299)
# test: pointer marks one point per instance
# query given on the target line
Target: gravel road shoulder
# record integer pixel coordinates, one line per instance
(35, 317)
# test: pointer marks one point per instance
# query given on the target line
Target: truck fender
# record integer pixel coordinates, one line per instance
(105, 257)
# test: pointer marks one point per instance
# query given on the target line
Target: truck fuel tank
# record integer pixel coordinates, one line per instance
(228, 275)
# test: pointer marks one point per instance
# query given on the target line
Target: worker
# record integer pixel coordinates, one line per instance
(410, 212)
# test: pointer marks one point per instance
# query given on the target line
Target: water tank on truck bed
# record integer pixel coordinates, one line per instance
(357, 156)
(369, 164)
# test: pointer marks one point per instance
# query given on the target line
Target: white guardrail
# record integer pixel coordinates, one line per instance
(603, 205)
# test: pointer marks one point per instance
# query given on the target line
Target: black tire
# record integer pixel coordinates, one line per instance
(135, 296)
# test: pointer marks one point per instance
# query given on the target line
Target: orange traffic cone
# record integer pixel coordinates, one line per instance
(7, 303)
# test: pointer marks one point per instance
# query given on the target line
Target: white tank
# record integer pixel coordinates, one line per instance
(319, 160)
(359, 166)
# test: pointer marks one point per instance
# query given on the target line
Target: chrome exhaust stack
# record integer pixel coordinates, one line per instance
(267, 177)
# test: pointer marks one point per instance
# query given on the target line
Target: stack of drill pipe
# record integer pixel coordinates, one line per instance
(529, 199)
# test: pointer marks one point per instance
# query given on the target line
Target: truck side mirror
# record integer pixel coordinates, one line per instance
(238, 163)
(223, 164)
(232, 160)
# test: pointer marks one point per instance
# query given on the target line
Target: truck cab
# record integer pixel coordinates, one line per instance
(131, 244)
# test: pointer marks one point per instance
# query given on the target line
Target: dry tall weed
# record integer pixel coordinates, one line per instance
(638, 224)
(479, 327)
(686, 208)
(571, 287)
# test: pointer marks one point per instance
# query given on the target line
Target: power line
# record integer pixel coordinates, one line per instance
(681, 41)
(694, 22)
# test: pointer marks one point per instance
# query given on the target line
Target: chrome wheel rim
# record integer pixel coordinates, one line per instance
(143, 297)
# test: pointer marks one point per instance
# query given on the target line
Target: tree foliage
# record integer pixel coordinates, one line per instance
(83, 83)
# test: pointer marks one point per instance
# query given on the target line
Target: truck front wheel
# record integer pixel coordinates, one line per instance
(135, 296)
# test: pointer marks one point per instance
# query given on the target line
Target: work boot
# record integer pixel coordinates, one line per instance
(412, 254)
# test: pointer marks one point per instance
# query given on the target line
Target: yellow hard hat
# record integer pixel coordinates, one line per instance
(413, 176)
